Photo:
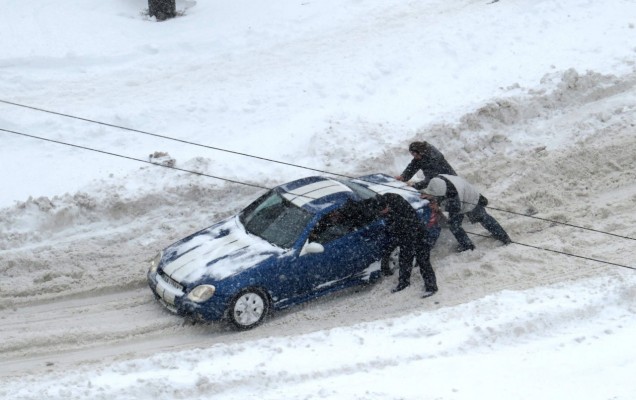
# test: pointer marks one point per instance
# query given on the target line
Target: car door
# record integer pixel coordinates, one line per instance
(349, 255)
(349, 247)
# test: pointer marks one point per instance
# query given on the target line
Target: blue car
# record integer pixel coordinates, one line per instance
(298, 241)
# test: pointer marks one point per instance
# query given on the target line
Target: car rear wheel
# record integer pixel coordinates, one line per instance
(248, 309)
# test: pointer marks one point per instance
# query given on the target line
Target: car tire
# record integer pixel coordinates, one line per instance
(248, 309)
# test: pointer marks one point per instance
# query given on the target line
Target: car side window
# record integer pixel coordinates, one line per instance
(330, 227)
(349, 218)
(360, 213)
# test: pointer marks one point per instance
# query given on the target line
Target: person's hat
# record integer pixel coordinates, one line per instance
(436, 187)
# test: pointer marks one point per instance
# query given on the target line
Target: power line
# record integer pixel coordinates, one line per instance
(180, 140)
(132, 158)
(266, 159)
(168, 138)
(562, 252)
(144, 161)
(562, 223)
(575, 255)
(263, 187)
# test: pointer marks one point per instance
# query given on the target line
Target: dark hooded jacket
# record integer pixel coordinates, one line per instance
(431, 164)
(402, 221)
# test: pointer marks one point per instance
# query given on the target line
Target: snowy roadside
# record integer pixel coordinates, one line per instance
(534, 102)
(564, 325)
(569, 172)
(74, 289)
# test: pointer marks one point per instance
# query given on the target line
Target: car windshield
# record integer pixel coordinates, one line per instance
(275, 219)
(360, 190)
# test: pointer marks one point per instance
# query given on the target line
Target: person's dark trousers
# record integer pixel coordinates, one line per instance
(480, 215)
(455, 226)
(384, 263)
(419, 250)
(385, 268)
(432, 235)
(423, 257)
(405, 262)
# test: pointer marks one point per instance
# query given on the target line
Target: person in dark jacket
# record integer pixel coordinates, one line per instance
(406, 231)
(433, 229)
(427, 159)
(461, 198)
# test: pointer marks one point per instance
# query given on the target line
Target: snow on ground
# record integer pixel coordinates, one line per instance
(532, 101)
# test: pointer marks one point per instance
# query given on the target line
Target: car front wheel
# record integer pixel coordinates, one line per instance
(248, 309)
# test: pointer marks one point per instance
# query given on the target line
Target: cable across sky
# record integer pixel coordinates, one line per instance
(66, 115)
(266, 188)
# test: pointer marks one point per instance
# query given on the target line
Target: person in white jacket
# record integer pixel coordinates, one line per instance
(460, 198)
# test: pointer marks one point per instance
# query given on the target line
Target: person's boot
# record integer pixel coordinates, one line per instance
(464, 247)
(428, 293)
(503, 237)
(401, 286)
(430, 286)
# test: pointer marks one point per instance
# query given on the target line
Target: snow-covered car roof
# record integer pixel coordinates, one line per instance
(315, 193)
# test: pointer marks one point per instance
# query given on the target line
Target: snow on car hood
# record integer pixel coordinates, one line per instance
(383, 183)
(218, 252)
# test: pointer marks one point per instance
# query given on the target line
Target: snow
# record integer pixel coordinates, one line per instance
(533, 102)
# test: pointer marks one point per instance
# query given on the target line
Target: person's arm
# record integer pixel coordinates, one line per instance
(430, 168)
(409, 171)
(422, 184)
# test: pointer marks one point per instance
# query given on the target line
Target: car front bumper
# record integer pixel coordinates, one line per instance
(173, 298)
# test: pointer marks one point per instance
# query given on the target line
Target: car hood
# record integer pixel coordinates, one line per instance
(382, 183)
(218, 252)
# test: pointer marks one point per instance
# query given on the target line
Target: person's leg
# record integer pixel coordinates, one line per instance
(384, 263)
(480, 215)
(455, 226)
(423, 256)
(495, 229)
(406, 266)
(432, 236)
(385, 267)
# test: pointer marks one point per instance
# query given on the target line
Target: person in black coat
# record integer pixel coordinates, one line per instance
(406, 231)
(427, 159)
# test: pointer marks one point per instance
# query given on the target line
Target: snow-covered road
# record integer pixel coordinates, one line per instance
(533, 102)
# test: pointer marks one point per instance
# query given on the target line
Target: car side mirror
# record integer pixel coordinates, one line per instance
(312, 248)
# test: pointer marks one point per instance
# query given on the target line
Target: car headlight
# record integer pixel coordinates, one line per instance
(201, 293)
(154, 263)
